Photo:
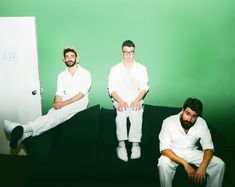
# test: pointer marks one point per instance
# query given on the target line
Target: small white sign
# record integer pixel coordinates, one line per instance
(9, 55)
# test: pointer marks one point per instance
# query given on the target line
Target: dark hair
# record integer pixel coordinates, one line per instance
(194, 104)
(128, 43)
(66, 50)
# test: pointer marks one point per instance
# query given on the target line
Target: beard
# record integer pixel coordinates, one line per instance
(185, 124)
(70, 63)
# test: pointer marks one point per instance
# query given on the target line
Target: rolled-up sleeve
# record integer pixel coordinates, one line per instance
(86, 84)
(60, 88)
(164, 137)
(144, 81)
(112, 82)
(205, 139)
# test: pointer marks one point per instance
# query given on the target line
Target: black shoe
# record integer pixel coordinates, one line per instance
(16, 134)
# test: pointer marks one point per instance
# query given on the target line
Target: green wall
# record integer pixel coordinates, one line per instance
(188, 47)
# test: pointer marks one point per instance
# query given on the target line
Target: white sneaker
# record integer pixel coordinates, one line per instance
(9, 126)
(135, 152)
(122, 153)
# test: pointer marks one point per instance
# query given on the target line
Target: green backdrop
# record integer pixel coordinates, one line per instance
(188, 47)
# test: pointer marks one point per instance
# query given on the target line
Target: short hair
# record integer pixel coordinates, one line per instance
(128, 43)
(194, 104)
(70, 49)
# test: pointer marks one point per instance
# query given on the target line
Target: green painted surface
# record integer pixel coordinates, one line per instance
(188, 47)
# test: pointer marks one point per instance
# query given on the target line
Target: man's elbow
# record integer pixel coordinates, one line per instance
(165, 152)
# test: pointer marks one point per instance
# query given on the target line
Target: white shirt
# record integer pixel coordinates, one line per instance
(69, 86)
(173, 136)
(128, 84)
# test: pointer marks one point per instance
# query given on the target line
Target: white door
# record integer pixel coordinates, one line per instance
(20, 98)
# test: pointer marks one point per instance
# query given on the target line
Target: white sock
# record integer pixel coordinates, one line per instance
(27, 128)
(135, 144)
(121, 143)
(28, 131)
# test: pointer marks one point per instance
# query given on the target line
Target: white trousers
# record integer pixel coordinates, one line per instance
(135, 131)
(53, 118)
(215, 169)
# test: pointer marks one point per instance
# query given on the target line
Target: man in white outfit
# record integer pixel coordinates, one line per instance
(178, 138)
(128, 84)
(71, 97)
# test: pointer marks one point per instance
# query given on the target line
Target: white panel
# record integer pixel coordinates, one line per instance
(19, 75)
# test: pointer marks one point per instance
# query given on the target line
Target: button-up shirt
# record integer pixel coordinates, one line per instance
(128, 84)
(70, 85)
(173, 136)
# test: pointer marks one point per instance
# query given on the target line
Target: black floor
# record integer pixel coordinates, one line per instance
(13, 173)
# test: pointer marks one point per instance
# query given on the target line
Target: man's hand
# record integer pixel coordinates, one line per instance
(122, 106)
(200, 176)
(190, 171)
(57, 105)
(136, 105)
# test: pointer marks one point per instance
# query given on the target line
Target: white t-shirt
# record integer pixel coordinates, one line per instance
(69, 86)
(128, 84)
(173, 136)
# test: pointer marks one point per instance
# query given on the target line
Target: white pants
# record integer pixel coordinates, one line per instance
(53, 118)
(135, 131)
(215, 169)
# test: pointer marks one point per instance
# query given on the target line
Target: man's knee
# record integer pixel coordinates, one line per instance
(164, 162)
(218, 162)
(221, 164)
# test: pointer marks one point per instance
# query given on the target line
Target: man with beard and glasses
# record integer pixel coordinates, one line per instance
(71, 97)
(178, 146)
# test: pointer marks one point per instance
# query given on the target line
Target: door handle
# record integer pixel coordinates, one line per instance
(34, 92)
